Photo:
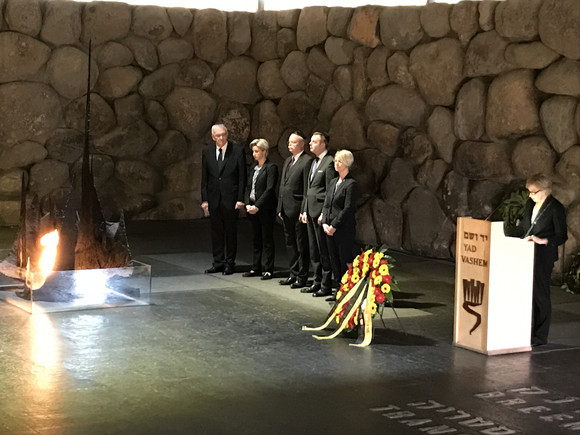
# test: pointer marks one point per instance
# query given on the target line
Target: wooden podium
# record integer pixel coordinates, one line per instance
(493, 289)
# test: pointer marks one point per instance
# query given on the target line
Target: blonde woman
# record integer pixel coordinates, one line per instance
(338, 216)
(544, 223)
(261, 203)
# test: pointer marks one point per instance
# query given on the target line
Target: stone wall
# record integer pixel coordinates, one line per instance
(445, 106)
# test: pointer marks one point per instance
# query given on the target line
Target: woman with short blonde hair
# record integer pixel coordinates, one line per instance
(261, 204)
(544, 223)
(338, 217)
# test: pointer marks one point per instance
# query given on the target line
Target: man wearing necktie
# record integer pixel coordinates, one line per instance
(320, 174)
(292, 184)
(223, 182)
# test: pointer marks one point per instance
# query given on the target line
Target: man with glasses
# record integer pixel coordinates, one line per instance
(292, 184)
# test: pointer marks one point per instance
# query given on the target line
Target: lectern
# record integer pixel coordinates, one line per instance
(493, 289)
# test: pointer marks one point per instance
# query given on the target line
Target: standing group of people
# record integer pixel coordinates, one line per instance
(316, 204)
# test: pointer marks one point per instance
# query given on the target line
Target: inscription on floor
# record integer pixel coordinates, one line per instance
(430, 416)
(547, 406)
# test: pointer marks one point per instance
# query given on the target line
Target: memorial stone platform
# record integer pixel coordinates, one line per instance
(218, 354)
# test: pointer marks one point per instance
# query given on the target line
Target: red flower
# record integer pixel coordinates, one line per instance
(387, 279)
(380, 298)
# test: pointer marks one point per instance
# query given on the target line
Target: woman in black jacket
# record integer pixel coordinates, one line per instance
(261, 203)
(544, 223)
(338, 217)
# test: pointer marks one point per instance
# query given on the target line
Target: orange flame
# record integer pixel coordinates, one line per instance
(36, 278)
(49, 242)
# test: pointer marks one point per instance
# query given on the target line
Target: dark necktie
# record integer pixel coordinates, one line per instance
(314, 166)
(288, 169)
(220, 158)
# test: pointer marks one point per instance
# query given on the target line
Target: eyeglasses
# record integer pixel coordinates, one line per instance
(534, 193)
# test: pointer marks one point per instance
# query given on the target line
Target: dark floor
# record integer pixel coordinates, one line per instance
(226, 355)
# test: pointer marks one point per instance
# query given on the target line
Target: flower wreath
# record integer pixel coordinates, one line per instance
(365, 288)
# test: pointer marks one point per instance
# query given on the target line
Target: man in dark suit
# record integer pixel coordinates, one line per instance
(292, 183)
(223, 182)
(319, 176)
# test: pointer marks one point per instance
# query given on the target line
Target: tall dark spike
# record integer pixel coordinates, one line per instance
(21, 251)
(88, 110)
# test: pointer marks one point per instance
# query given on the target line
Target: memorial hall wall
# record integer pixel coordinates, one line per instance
(445, 107)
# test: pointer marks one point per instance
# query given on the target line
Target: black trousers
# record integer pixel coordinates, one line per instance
(263, 240)
(340, 248)
(544, 258)
(296, 237)
(224, 235)
(319, 255)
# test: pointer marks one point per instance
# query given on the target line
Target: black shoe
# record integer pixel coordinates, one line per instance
(251, 273)
(312, 289)
(287, 281)
(298, 284)
(228, 270)
(266, 276)
(538, 342)
(321, 293)
(214, 269)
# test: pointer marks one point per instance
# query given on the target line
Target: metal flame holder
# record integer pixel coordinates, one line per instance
(74, 290)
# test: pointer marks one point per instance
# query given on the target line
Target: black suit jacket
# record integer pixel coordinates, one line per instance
(340, 205)
(317, 186)
(225, 186)
(550, 224)
(265, 186)
(292, 185)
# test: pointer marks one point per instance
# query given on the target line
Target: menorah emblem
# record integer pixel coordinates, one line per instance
(473, 297)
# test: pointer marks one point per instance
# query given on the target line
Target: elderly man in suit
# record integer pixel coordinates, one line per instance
(319, 175)
(292, 184)
(223, 182)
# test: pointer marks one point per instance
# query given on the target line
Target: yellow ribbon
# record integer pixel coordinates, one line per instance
(367, 317)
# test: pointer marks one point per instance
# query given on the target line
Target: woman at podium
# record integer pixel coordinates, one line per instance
(544, 223)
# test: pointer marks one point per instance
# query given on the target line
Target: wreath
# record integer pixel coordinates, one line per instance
(365, 289)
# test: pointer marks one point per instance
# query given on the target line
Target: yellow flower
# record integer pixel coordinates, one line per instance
(355, 278)
(384, 269)
(373, 308)
(344, 279)
(386, 288)
(365, 269)
(376, 262)
(378, 280)
(355, 262)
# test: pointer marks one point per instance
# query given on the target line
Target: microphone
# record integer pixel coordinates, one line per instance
(493, 211)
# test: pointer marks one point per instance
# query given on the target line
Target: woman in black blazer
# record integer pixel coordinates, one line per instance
(261, 204)
(544, 223)
(338, 217)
